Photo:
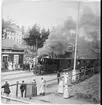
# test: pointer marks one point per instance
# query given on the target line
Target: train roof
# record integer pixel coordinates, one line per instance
(70, 58)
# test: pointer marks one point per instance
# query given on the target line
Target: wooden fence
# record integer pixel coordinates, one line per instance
(80, 76)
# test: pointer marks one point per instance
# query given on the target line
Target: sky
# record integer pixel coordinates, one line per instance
(44, 12)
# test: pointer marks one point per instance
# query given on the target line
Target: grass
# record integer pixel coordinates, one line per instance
(88, 89)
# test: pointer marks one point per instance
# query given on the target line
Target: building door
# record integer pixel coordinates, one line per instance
(5, 62)
(16, 59)
(5, 58)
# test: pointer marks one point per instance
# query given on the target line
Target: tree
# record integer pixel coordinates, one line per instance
(7, 26)
(36, 37)
(44, 36)
(34, 34)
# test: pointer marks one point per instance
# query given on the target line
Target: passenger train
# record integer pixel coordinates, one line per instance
(51, 65)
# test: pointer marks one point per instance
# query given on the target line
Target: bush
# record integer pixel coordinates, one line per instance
(88, 89)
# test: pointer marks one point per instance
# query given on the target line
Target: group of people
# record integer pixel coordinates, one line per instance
(13, 65)
(34, 88)
(23, 87)
(10, 65)
(27, 66)
(63, 84)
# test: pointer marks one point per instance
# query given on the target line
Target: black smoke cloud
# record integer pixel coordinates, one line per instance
(60, 37)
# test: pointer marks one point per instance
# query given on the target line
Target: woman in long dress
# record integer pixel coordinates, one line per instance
(60, 86)
(14, 66)
(10, 65)
(66, 90)
(34, 88)
(42, 87)
(65, 78)
(30, 66)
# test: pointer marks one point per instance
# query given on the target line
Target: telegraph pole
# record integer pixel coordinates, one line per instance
(75, 55)
(36, 46)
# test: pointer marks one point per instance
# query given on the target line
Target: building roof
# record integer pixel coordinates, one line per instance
(11, 44)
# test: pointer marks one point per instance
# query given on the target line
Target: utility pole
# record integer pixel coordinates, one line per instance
(75, 55)
(37, 46)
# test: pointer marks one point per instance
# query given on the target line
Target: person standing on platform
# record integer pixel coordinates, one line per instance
(14, 66)
(22, 88)
(10, 65)
(66, 90)
(34, 88)
(6, 89)
(24, 66)
(34, 63)
(30, 65)
(66, 78)
(27, 65)
(42, 87)
(58, 76)
(60, 86)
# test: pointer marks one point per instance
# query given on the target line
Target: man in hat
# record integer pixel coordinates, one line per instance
(6, 88)
(22, 88)
(58, 76)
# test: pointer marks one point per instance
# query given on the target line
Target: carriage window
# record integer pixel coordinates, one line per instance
(69, 63)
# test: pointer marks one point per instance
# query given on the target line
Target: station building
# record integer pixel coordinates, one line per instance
(12, 55)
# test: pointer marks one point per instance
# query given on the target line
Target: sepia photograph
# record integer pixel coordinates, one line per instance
(50, 52)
